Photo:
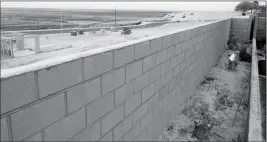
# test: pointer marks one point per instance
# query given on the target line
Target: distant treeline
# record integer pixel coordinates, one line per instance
(35, 27)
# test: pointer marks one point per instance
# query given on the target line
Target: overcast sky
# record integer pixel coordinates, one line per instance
(190, 6)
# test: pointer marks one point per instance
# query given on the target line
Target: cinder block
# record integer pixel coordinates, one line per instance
(183, 65)
(100, 107)
(91, 133)
(153, 101)
(97, 64)
(132, 103)
(142, 136)
(166, 41)
(171, 52)
(124, 92)
(187, 44)
(123, 56)
(17, 91)
(154, 73)
(161, 56)
(4, 130)
(83, 94)
(163, 92)
(174, 61)
(158, 108)
(113, 80)
(134, 70)
(36, 117)
(149, 62)
(169, 76)
(178, 48)
(112, 119)
(155, 45)
(123, 128)
(169, 102)
(141, 82)
(133, 133)
(181, 57)
(107, 137)
(165, 67)
(66, 128)
(177, 70)
(59, 77)
(159, 83)
(182, 36)
(188, 34)
(140, 112)
(147, 92)
(172, 84)
(153, 130)
(35, 137)
(186, 53)
(174, 38)
(142, 49)
(145, 121)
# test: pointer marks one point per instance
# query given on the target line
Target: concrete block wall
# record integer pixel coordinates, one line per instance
(261, 28)
(130, 93)
(241, 27)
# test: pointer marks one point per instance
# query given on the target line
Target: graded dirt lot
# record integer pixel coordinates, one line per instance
(55, 45)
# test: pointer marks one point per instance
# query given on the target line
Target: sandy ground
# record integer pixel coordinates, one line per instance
(53, 45)
(217, 97)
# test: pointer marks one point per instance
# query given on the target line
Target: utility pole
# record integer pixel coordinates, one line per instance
(61, 21)
(115, 16)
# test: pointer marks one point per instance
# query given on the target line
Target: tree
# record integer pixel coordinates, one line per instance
(244, 6)
(262, 8)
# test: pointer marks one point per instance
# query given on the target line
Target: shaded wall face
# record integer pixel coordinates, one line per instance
(241, 27)
(126, 94)
(261, 28)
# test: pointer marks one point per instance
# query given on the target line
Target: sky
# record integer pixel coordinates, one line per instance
(190, 6)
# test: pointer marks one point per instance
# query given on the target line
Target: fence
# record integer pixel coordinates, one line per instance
(7, 48)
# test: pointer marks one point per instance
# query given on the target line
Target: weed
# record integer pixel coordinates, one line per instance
(171, 127)
(203, 127)
(209, 78)
(245, 53)
(232, 42)
(183, 131)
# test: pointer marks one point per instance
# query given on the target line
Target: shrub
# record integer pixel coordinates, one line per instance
(245, 53)
(232, 42)
(126, 31)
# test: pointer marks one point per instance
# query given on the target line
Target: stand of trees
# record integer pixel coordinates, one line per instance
(247, 5)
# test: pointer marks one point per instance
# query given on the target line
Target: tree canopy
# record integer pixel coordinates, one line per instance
(246, 5)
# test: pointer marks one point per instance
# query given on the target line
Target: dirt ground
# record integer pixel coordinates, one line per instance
(218, 109)
(55, 45)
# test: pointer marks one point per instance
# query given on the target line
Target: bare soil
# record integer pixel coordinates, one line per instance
(218, 109)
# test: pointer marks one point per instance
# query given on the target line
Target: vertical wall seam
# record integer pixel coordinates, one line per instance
(134, 53)
(36, 88)
(66, 103)
(101, 88)
(83, 74)
(86, 117)
(100, 123)
(9, 127)
(43, 135)
(113, 59)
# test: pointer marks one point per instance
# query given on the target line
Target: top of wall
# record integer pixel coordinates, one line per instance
(68, 58)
